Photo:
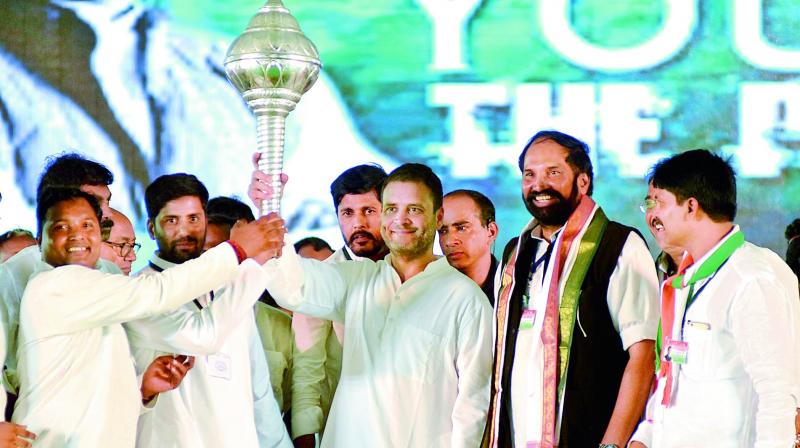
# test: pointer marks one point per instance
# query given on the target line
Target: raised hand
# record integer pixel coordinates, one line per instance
(164, 374)
(261, 239)
(259, 189)
(14, 435)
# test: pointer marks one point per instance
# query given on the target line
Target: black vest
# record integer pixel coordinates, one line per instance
(596, 361)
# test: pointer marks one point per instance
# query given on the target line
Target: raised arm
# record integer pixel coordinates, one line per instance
(312, 287)
(73, 298)
(202, 332)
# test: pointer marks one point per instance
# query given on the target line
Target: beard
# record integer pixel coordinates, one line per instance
(420, 245)
(365, 250)
(172, 254)
(555, 214)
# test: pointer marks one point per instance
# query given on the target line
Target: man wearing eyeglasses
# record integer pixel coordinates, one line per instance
(121, 247)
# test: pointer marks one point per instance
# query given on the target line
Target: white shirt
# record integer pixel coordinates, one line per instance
(78, 384)
(738, 386)
(317, 365)
(417, 355)
(14, 276)
(226, 399)
(632, 301)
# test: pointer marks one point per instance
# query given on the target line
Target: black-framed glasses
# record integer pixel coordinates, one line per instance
(124, 249)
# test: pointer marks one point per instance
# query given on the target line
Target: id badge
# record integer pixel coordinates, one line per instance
(528, 318)
(676, 351)
(219, 366)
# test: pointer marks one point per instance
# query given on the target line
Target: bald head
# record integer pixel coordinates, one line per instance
(120, 247)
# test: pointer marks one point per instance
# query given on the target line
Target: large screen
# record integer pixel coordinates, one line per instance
(460, 85)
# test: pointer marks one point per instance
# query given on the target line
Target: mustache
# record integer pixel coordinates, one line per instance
(187, 239)
(360, 233)
(530, 197)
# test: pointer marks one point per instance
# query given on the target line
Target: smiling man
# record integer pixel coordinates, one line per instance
(318, 359)
(729, 349)
(70, 170)
(78, 384)
(417, 344)
(577, 312)
(466, 237)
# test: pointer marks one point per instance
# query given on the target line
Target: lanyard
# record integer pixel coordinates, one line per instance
(692, 297)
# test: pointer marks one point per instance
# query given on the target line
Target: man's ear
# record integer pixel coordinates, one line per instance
(439, 217)
(150, 229)
(583, 183)
(493, 231)
(692, 207)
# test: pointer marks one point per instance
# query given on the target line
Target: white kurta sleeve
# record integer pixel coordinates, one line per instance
(633, 293)
(761, 321)
(310, 286)
(474, 368)
(269, 424)
(202, 332)
(74, 298)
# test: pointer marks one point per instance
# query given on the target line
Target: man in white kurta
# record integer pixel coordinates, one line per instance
(416, 358)
(417, 344)
(226, 400)
(14, 276)
(78, 384)
(730, 343)
(735, 389)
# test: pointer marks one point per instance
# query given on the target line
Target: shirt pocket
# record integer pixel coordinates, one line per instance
(700, 339)
(416, 355)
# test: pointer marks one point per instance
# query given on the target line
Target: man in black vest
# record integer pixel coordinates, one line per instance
(576, 313)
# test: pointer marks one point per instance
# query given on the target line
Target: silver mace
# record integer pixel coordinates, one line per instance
(272, 64)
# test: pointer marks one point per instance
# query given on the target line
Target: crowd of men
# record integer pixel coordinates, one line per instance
(234, 336)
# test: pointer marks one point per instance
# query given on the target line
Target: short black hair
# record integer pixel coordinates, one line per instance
(15, 233)
(170, 187)
(793, 229)
(358, 180)
(317, 243)
(484, 204)
(699, 174)
(577, 153)
(53, 196)
(228, 210)
(71, 170)
(417, 173)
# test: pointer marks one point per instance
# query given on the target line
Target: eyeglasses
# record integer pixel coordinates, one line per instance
(124, 249)
(648, 204)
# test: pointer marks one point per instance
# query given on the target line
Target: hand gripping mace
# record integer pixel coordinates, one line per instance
(272, 64)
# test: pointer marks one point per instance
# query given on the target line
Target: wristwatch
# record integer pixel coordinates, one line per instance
(608, 445)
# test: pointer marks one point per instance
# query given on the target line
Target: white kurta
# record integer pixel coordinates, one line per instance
(417, 355)
(738, 386)
(632, 301)
(14, 276)
(317, 365)
(226, 400)
(78, 384)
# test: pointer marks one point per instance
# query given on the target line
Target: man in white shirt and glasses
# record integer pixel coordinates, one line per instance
(729, 338)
